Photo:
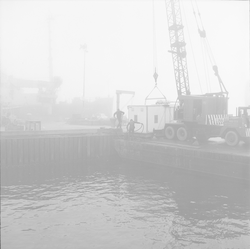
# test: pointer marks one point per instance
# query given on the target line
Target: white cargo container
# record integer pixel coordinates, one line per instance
(151, 116)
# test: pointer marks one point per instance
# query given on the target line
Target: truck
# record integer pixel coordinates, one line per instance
(200, 116)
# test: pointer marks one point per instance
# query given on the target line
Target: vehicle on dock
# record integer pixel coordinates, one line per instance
(197, 116)
(203, 126)
(200, 117)
(192, 116)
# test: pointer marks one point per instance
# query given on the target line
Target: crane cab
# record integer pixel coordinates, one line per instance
(202, 109)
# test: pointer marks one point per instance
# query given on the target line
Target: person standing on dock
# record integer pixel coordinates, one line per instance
(131, 126)
(119, 114)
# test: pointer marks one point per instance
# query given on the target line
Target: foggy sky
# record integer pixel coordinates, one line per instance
(119, 38)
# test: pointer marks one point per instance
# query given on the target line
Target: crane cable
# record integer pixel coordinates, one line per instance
(203, 33)
(155, 75)
(189, 37)
(205, 66)
(204, 42)
(155, 65)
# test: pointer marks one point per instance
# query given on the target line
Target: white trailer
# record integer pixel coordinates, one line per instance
(151, 116)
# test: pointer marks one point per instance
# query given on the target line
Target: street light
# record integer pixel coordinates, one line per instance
(84, 47)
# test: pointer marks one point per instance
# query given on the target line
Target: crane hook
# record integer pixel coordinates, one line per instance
(155, 76)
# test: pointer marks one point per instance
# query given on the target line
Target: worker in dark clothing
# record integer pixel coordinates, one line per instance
(119, 114)
(131, 126)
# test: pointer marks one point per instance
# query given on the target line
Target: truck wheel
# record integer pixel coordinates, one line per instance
(232, 138)
(182, 134)
(169, 132)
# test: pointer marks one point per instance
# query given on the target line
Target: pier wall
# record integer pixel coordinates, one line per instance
(38, 152)
(200, 160)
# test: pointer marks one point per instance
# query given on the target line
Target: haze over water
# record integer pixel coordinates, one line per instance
(125, 205)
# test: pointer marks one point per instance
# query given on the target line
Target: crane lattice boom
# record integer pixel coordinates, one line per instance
(178, 49)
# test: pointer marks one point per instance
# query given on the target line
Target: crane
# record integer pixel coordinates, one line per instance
(200, 116)
(178, 47)
(195, 115)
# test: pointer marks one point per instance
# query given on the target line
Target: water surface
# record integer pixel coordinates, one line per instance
(125, 206)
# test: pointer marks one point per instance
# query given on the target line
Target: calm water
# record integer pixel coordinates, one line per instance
(125, 206)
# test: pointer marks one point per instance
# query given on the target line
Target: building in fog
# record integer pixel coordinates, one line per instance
(27, 94)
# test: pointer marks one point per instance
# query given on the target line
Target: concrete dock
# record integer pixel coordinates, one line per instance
(46, 152)
(213, 158)
(35, 150)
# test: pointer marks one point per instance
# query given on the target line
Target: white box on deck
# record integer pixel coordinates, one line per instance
(152, 116)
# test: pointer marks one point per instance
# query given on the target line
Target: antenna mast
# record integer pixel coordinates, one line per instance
(50, 50)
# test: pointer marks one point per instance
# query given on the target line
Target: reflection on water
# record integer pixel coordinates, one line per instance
(126, 206)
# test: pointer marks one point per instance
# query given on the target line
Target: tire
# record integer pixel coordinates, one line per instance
(232, 138)
(182, 134)
(169, 132)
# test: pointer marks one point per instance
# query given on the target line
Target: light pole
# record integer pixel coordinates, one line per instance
(84, 47)
(52, 101)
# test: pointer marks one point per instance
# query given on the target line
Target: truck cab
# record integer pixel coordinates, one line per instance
(202, 109)
(237, 127)
(244, 114)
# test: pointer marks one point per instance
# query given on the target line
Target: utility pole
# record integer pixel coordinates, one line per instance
(50, 18)
(50, 50)
(84, 47)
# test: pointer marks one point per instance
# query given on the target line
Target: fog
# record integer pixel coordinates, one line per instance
(76, 172)
(122, 47)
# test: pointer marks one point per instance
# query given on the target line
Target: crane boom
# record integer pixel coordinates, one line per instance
(178, 49)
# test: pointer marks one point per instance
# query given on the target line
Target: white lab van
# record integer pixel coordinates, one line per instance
(151, 116)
